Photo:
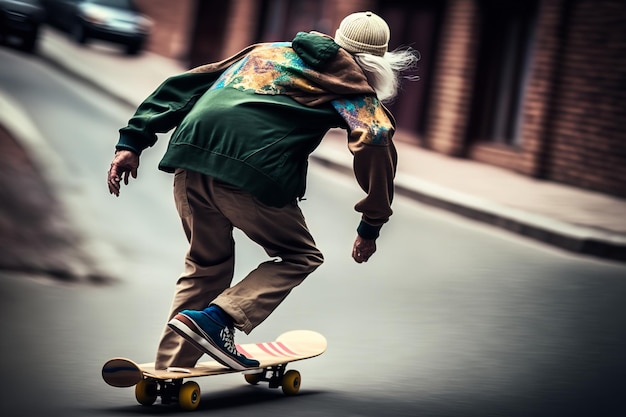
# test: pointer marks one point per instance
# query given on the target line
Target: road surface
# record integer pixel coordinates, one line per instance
(449, 318)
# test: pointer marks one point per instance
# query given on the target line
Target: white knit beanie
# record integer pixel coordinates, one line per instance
(363, 32)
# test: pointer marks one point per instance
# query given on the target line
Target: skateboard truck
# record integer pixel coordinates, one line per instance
(277, 376)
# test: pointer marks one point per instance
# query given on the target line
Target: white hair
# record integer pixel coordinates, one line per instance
(384, 72)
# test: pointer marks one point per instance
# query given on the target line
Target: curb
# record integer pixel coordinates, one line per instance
(572, 238)
(73, 263)
(19, 125)
(565, 236)
(60, 66)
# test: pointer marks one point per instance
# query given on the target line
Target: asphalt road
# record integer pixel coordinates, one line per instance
(450, 318)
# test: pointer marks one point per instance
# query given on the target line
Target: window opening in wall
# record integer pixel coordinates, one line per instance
(506, 40)
(281, 20)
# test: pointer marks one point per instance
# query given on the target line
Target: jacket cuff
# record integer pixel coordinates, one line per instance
(127, 148)
(128, 142)
(367, 231)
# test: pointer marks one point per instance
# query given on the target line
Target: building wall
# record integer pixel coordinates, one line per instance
(528, 157)
(574, 103)
(171, 32)
(241, 25)
(586, 135)
(451, 93)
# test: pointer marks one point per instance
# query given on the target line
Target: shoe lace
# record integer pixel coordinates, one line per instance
(228, 337)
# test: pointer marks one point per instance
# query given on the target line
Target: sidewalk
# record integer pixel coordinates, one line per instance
(570, 218)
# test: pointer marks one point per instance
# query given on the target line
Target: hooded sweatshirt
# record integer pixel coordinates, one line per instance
(253, 119)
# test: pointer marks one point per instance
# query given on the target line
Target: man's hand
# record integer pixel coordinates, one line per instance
(125, 163)
(363, 249)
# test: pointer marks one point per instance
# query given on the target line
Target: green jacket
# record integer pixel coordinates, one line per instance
(253, 119)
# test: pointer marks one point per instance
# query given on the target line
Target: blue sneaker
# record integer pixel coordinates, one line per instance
(207, 334)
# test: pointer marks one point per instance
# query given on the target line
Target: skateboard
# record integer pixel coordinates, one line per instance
(273, 357)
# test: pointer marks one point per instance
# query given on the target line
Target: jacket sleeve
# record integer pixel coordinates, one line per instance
(370, 131)
(168, 105)
(164, 109)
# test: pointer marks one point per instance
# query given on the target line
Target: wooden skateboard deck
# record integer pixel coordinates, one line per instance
(151, 383)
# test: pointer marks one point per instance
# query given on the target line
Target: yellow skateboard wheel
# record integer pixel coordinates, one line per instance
(253, 379)
(146, 392)
(291, 382)
(189, 396)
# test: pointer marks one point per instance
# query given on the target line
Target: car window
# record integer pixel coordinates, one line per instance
(118, 4)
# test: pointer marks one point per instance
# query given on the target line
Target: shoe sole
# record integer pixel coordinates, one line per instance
(190, 331)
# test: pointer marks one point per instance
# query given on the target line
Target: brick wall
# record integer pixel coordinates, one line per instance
(574, 103)
(242, 21)
(587, 138)
(170, 35)
(241, 26)
(529, 157)
(345, 7)
(453, 76)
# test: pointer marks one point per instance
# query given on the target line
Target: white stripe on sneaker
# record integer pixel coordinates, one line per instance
(203, 343)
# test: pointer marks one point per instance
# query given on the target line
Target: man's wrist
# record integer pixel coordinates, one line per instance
(126, 148)
(367, 231)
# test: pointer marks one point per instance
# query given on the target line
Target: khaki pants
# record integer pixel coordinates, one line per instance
(209, 209)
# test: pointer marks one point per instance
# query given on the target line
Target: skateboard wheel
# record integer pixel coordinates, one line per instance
(146, 392)
(291, 382)
(189, 396)
(253, 379)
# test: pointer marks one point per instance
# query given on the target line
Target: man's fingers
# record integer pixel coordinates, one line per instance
(362, 257)
(124, 165)
(119, 173)
(128, 173)
(359, 255)
(113, 180)
(114, 187)
(363, 249)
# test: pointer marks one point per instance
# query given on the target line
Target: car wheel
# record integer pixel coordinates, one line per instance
(2, 29)
(29, 43)
(133, 48)
(78, 33)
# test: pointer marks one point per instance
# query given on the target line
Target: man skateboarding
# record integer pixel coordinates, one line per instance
(245, 128)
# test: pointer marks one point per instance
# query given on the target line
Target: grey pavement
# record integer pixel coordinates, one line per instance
(572, 219)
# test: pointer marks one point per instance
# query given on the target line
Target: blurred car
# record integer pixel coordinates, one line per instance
(117, 21)
(21, 19)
